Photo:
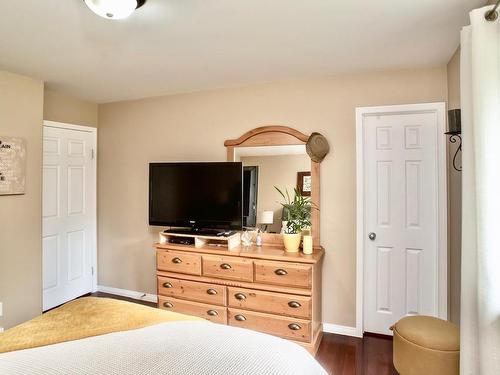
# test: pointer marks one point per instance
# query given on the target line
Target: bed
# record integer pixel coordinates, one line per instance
(105, 336)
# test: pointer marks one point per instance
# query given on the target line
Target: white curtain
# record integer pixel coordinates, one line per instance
(480, 96)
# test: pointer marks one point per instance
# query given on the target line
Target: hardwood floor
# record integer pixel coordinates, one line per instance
(344, 355)
(339, 355)
(114, 296)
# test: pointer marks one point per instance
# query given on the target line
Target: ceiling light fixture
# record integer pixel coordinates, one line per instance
(114, 9)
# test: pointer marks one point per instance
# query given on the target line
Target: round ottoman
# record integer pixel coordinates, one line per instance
(424, 345)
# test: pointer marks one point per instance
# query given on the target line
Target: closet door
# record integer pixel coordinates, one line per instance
(68, 214)
(402, 226)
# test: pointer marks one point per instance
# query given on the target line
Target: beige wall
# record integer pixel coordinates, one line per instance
(454, 195)
(194, 127)
(453, 77)
(63, 108)
(280, 171)
(21, 114)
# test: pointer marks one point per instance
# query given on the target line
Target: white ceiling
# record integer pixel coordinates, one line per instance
(171, 46)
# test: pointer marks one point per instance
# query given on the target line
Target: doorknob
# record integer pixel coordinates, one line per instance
(372, 236)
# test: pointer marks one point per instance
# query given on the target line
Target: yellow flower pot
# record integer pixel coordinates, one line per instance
(291, 242)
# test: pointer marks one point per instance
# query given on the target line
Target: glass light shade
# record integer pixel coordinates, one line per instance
(112, 9)
(266, 217)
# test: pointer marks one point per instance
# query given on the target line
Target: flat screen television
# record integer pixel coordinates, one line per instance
(196, 195)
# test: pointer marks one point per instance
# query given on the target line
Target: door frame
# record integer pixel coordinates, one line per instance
(93, 131)
(254, 170)
(442, 219)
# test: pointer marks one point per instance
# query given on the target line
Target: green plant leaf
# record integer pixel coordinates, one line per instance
(298, 211)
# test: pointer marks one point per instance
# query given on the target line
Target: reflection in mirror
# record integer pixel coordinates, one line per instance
(287, 167)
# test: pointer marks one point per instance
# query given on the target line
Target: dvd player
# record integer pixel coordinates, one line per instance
(181, 240)
(201, 232)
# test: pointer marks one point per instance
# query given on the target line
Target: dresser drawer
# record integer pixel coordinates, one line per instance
(192, 290)
(270, 302)
(176, 261)
(290, 274)
(231, 268)
(216, 314)
(290, 328)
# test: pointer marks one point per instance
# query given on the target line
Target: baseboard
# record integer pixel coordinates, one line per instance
(340, 330)
(128, 293)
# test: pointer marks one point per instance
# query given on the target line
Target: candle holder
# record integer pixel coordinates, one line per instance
(455, 131)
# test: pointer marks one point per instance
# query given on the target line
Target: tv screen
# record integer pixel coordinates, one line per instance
(197, 195)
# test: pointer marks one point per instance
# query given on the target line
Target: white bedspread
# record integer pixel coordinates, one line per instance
(180, 348)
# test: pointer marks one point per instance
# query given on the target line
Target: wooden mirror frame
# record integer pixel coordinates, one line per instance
(281, 136)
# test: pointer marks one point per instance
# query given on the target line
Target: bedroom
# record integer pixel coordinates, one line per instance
(175, 80)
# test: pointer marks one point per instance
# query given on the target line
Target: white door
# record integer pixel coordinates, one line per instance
(403, 229)
(69, 213)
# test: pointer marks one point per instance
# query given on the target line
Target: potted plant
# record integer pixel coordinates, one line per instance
(297, 214)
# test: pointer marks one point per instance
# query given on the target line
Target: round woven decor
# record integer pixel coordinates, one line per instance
(317, 147)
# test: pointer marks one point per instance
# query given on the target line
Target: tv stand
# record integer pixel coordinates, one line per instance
(216, 238)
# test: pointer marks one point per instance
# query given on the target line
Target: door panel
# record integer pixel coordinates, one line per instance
(413, 193)
(413, 290)
(51, 262)
(76, 190)
(401, 209)
(384, 258)
(50, 193)
(69, 214)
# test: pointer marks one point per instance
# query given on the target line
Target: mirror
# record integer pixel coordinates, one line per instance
(271, 141)
(264, 167)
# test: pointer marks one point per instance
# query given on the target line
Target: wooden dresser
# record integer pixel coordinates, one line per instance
(264, 289)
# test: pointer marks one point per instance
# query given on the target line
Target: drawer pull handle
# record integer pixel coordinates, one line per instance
(225, 266)
(294, 304)
(211, 292)
(176, 260)
(212, 313)
(280, 272)
(167, 285)
(240, 296)
(168, 305)
(240, 318)
(294, 327)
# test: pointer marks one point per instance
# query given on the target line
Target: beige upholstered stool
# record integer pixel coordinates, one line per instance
(424, 345)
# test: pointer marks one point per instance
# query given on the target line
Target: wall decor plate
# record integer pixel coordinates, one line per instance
(12, 165)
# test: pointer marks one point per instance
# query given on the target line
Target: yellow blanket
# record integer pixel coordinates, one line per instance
(84, 317)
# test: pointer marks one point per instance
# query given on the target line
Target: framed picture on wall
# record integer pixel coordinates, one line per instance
(12, 165)
(304, 183)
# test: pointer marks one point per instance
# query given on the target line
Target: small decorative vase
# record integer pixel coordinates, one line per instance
(291, 242)
(246, 238)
